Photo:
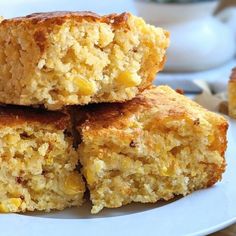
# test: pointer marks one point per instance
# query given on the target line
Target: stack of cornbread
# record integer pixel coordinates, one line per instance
(141, 143)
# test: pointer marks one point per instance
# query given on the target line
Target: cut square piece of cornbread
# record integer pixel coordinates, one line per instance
(232, 94)
(156, 146)
(37, 162)
(63, 58)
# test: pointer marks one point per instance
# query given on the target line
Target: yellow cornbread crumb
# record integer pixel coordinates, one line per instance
(37, 161)
(156, 146)
(10, 205)
(57, 59)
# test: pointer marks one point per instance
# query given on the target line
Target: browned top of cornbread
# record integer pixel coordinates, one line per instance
(161, 104)
(60, 17)
(163, 100)
(14, 115)
(233, 75)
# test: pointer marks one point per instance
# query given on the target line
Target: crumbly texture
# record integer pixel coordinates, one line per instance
(63, 58)
(232, 94)
(37, 162)
(156, 146)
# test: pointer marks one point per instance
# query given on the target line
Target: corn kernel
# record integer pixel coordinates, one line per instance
(128, 79)
(73, 184)
(211, 138)
(169, 170)
(85, 87)
(12, 138)
(10, 205)
(49, 161)
(3, 208)
(90, 177)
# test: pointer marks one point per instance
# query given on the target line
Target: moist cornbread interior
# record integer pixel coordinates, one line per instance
(232, 94)
(63, 58)
(156, 146)
(37, 162)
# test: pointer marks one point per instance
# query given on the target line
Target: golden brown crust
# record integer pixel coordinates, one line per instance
(59, 17)
(215, 173)
(172, 106)
(15, 115)
(220, 145)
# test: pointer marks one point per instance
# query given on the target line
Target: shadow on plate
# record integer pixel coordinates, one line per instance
(83, 212)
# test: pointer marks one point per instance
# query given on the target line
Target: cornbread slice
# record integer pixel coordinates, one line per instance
(232, 94)
(62, 58)
(37, 162)
(156, 146)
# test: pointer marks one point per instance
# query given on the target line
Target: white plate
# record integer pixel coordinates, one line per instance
(200, 213)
